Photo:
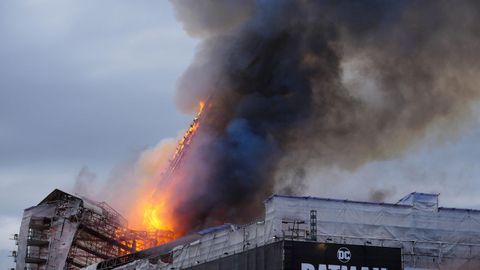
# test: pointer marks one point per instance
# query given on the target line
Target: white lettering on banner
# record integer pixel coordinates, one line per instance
(307, 266)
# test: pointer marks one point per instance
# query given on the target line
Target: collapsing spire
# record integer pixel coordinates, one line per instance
(297, 85)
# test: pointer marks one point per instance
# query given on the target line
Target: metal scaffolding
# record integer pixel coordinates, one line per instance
(69, 232)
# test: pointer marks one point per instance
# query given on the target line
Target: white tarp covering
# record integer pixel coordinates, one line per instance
(60, 236)
(430, 237)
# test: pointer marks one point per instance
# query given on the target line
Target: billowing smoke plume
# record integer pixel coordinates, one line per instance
(291, 84)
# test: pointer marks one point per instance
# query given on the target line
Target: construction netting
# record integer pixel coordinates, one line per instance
(430, 237)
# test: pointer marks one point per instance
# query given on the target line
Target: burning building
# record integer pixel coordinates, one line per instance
(307, 233)
(284, 87)
(70, 232)
(295, 88)
(288, 90)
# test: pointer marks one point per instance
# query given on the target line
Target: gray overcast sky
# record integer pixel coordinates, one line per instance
(90, 83)
(82, 83)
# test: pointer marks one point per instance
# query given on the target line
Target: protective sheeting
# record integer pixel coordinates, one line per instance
(68, 232)
(430, 237)
(421, 201)
(264, 257)
(91, 267)
(220, 244)
(23, 253)
(138, 265)
(46, 246)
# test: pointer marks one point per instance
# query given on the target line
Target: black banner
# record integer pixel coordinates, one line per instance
(322, 256)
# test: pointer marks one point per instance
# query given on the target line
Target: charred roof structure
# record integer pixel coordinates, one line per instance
(310, 233)
(70, 232)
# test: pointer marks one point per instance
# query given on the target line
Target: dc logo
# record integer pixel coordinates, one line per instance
(344, 255)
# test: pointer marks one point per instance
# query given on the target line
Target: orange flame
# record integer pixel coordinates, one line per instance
(201, 105)
(157, 205)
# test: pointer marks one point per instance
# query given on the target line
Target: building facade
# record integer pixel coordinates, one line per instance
(70, 232)
(306, 233)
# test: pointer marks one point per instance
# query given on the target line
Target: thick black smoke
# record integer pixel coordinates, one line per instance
(292, 84)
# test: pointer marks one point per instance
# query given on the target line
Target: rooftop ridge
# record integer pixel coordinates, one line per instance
(367, 202)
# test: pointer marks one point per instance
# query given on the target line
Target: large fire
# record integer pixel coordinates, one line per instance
(156, 203)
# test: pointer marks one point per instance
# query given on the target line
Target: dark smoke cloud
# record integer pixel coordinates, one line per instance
(295, 84)
(379, 195)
